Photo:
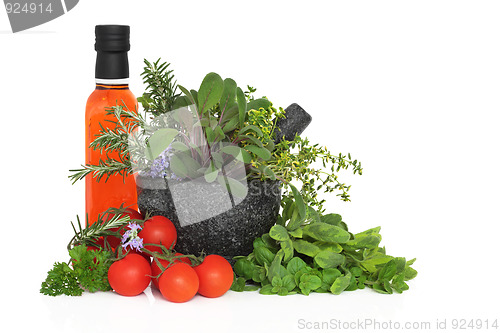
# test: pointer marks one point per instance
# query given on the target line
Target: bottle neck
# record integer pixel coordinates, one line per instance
(105, 84)
(111, 66)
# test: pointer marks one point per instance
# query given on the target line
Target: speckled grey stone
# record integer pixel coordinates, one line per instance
(230, 233)
(295, 122)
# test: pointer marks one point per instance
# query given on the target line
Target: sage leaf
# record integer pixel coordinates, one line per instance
(367, 241)
(278, 233)
(159, 141)
(242, 106)
(340, 284)
(260, 152)
(238, 153)
(258, 103)
(333, 219)
(326, 232)
(328, 259)
(297, 233)
(287, 247)
(275, 268)
(328, 246)
(305, 247)
(228, 94)
(210, 92)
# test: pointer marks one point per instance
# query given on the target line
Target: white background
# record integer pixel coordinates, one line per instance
(410, 88)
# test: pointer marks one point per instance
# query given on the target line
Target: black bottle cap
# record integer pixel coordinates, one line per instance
(112, 38)
(112, 42)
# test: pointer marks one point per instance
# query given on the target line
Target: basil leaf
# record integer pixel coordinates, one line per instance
(263, 255)
(295, 264)
(244, 268)
(308, 283)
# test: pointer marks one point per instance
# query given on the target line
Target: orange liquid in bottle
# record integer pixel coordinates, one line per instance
(99, 196)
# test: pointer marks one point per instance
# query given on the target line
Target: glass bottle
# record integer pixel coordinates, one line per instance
(112, 77)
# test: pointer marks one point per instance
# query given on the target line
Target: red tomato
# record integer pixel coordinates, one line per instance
(155, 269)
(215, 274)
(158, 230)
(133, 214)
(130, 276)
(179, 283)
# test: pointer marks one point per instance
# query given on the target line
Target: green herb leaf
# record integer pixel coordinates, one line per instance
(330, 275)
(260, 152)
(287, 247)
(340, 284)
(308, 283)
(242, 106)
(333, 219)
(61, 280)
(326, 232)
(159, 141)
(299, 201)
(304, 247)
(263, 255)
(210, 92)
(295, 264)
(278, 233)
(228, 94)
(258, 103)
(244, 268)
(328, 259)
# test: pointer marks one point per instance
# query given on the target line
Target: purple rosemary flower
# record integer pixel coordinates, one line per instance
(131, 238)
(160, 166)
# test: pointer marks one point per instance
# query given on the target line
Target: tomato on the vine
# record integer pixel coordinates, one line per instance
(179, 283)
(156, 270)
(130, 276)
(215, 274)
(158, 230)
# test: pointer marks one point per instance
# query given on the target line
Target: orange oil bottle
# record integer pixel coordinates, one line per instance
(112, 77)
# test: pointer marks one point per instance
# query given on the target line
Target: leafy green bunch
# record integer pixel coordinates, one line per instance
(211, 131)
(88, 271)
(308, 252)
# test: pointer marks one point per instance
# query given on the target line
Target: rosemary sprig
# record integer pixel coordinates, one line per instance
(161, 86)
(111, 219)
